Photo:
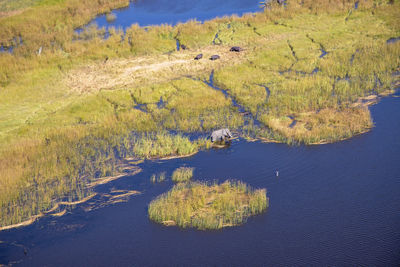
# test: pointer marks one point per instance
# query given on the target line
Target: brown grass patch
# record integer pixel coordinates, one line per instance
(327, 125)
(139, 71)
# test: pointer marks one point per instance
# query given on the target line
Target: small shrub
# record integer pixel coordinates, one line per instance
(111, 17)
(157, 178)
(182, 174)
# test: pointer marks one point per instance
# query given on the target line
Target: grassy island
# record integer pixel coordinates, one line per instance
(74, 106)
(182, 174)
(208, 206)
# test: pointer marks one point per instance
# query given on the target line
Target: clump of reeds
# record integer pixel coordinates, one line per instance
(182, 174)
(208, 206)
(157, 178)
(161, 145)
(111, 17)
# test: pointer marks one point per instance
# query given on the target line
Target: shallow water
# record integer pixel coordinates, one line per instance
(335, 204)
(152, 12)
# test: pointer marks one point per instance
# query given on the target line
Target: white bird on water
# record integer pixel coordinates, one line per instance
(277, 173)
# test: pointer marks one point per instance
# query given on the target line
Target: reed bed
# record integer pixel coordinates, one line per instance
(182, 174)
(37, 174)
(157, 178)
(208, 206)
(73, 112)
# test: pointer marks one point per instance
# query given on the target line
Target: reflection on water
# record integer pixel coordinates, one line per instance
(335, 204)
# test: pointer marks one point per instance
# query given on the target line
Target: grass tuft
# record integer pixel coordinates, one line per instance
(208, 206)
(182, 174)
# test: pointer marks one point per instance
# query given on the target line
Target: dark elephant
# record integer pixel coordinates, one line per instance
(236, 49)
(199, 56)
(214, 57)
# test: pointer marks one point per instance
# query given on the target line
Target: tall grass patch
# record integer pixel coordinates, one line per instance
(182, 174)
(208, 206)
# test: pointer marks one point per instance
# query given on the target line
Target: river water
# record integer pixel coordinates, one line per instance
(335, 204)
(155, 12)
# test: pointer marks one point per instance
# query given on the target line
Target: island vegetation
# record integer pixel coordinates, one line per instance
(208, 206)
(74, 105)
(182, 174)
(157, 178)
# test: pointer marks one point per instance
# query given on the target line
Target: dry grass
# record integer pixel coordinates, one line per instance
(324, 126)
(147, 70)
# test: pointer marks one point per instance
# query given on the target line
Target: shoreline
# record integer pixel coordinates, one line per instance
(42, 214)
(202, 95)
(101, 181)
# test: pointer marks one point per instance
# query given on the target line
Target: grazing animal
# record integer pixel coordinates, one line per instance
(221, 135)
(236, 49)
(183, 47)
(214, 57)
(199, 56)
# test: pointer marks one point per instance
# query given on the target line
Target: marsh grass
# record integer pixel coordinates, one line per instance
(157, 178)
(182, 174)
(68, 115)
(111, 17)
(208, 206)
(40, 173)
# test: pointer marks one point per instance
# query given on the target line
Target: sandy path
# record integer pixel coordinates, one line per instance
(141, 71)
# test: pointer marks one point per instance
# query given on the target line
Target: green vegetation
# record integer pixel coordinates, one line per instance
(208, 206)
(110, 17)
(157, 178)
(74, 112)
(182, 174)
(14, 5)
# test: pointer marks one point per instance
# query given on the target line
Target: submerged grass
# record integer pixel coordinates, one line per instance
(208, 206)
(182, 174)
(157, 178)
(73, 112)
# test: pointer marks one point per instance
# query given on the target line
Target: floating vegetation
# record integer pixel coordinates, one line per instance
(182, 174)
(111, 17)
(208, 206)
(157, 178)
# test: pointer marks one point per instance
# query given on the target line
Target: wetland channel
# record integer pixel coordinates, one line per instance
(335, 204)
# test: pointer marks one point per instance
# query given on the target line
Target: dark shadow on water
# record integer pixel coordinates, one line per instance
(323, 53)
(393, 40)
(141, 107)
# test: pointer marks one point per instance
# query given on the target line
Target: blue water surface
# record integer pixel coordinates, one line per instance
(155, 12)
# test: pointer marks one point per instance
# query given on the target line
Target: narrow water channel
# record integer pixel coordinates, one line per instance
(335, 204)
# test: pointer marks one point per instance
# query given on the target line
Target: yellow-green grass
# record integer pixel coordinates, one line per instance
(38, 173)
(157, 178)
(208, 206)
(71, 107)
(111, 17)
(49, 23)
(12, 7)
(182, 174)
